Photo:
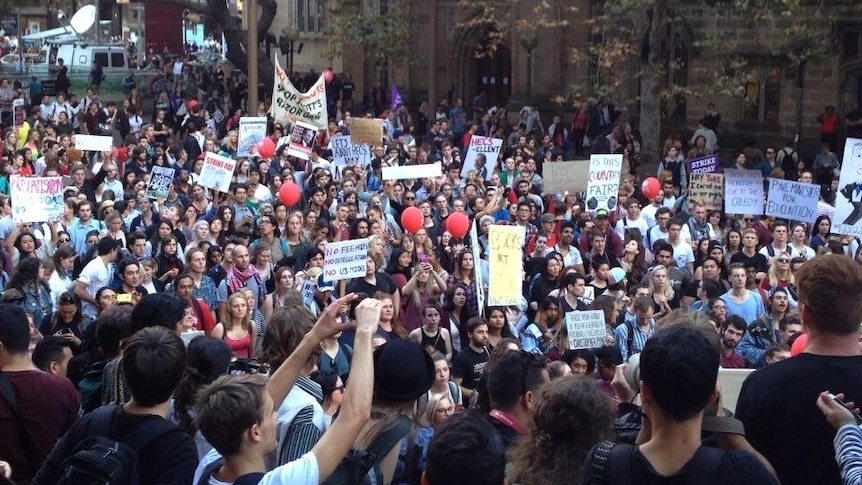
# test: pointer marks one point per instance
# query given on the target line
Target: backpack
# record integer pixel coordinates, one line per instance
(102, 458)
(362, 467)
(611, 464)
(247, 479)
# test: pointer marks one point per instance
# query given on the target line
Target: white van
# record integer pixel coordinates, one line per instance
(79, 57)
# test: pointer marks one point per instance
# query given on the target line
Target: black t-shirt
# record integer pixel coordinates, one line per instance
(469, 366)
(777, 407)
(759, 261)
(384, 284)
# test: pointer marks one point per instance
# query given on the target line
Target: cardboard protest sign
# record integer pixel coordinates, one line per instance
(743, 191)
(345, 260)
(251, 131)
(289, 105)
(366, 130)
(603, 182)
(346, 153)
(160, 181)
(848, 200)
(37, 199)
(302, 138)
(793, 201)
(412, 171)
(217, 172)
(707, 164)
(505, 265)
(586, 329)
(706, 188)
(568, 176)
(485, 150)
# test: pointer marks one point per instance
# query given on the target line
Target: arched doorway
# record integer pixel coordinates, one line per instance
(480, 68)
(494, 75)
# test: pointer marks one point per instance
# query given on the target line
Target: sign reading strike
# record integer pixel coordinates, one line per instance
(504, 265)
(795, 201)
(586, 329)
(217, 172)
(706, 188)
(290, 106)
(347, 153)
(345, 260)
(707, 164)
(37, 199)
(160, 182)
(603, 182)
(489, 149)
(743, 191)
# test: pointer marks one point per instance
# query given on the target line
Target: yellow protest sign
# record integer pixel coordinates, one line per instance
(505, 265)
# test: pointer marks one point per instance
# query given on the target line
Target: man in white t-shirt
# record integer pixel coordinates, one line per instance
(682, 253)
(632, 220)
(780, 236)
(238, 416)
(96, 274)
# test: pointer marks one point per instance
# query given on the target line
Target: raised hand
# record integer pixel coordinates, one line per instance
(329, 322)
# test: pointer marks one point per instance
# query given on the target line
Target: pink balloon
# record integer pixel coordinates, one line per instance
(458, 224)
(266, 148)
(650, 187)
(799, 344)
(412, 219)
(289, 194)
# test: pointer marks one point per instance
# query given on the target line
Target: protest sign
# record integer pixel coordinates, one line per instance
(251, 131)
(489, 148)
(707, 164)
(505, 265)
(565, 176)
(345, 260)
(345, 152)
(730, 382)
(706, 188)
(290, 106)
(94, 143)
(19, 114)
(477, 269)
(302, 138)
(366, 130)
(37, 199)
(603, 182)
(413, 171)
(743, 191)
(848, 200)
(309, 287)
(793, 201)
(217, 172)
(586, 329)
(160, 182)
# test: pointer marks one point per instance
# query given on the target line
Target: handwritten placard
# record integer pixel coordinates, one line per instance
(707, 164)
(706, 188)
(795, 201)
(603, 182)
(217, 172)
(366, 130)
(346, 153)
(586, 329)
(565, 176)
(743, 191)
(345, 260)
(37, 199)
(504, 265)
(489, 149)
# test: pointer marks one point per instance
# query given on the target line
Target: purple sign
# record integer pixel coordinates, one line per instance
(707, 164)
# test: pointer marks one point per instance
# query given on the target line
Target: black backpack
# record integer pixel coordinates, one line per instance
(611, 464)
(106, 457)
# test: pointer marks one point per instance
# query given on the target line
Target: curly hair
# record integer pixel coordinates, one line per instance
(572, 415)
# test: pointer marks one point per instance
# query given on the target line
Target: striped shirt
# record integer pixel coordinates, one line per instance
(848, 453)
(621, 337)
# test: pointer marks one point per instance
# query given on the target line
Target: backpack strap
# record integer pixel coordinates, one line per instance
(104, 423)
(209, 470)
(607, 452)
(630, 339)
(387, 439)
(600, 461)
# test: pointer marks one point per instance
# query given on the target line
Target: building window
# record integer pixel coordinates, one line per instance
(309, 15)
(763, 92)
(851, 46)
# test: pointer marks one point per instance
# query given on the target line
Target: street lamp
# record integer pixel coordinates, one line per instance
(287, 44)
(528, 42)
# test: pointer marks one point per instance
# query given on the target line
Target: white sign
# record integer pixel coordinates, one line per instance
(217, 172)
(795, 201)
(743, 191)
(309, 287)
(290, 106)
(37, 199)
(251, 131)
(489, 148)
(603, 182)
(412, 171)
(346, 153)
(477, 268)
(848, 200)
(94, 143)
(345, 260)
(586, 329)
(302, 138)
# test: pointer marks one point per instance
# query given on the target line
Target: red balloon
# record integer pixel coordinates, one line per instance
(412, 219)
(328, 75)
(266, 148)
(650, 187)
(192, 103)
(288, 194)
(458, 224)
(799, 344)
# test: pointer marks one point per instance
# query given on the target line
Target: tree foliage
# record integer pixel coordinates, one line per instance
(380, 28)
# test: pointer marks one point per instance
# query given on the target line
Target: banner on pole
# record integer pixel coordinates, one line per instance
(289, 105)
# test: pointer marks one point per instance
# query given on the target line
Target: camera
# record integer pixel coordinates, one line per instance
(247, 366)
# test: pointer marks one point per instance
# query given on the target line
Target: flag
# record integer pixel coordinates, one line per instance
(395, 95)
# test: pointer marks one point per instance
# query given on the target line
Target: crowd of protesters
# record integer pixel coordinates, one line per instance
(139, 312)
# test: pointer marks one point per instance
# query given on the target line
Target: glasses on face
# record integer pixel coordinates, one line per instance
(783, 260)
(409, 197)
(748, 219)
(64, 240)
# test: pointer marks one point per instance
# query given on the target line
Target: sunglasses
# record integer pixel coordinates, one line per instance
(748, 219)
(64, 240)
(783, 260)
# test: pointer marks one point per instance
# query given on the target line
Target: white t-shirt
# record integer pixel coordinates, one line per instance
(625, 223)
(95, 275)
(682, 254)
(303, 471)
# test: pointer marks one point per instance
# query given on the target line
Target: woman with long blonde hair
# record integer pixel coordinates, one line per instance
(662, 292)
(236, 329)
